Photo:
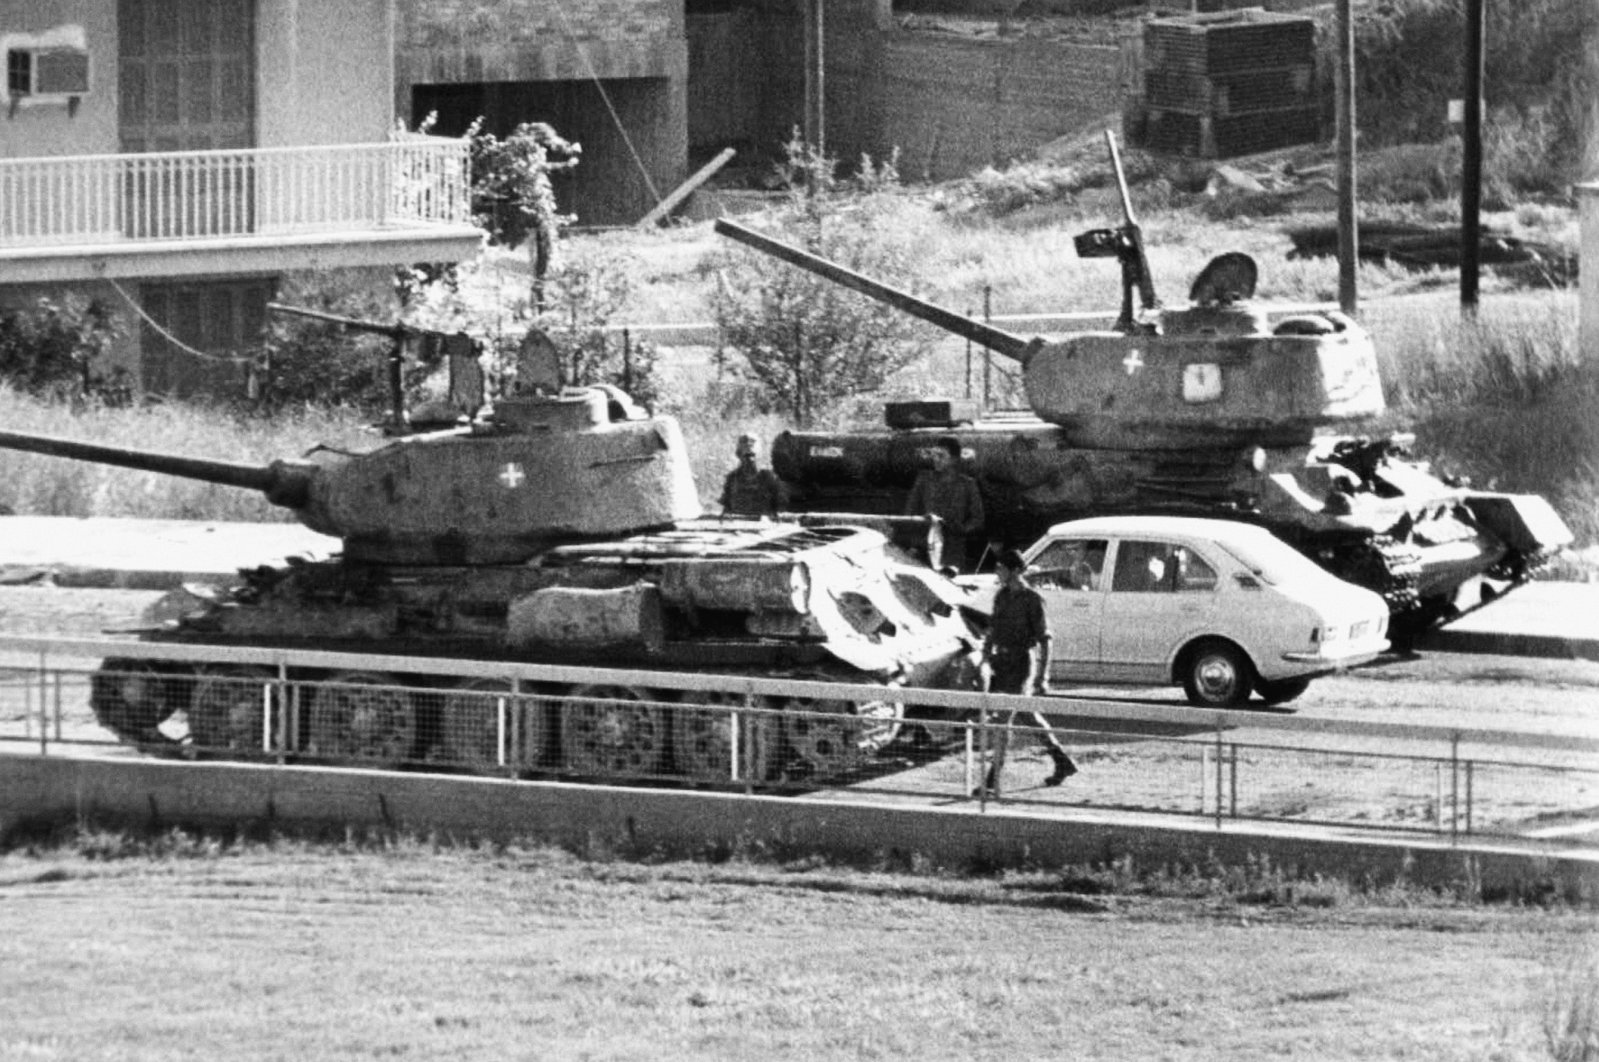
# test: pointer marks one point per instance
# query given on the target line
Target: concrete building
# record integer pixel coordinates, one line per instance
(653, 88)
(174, 157)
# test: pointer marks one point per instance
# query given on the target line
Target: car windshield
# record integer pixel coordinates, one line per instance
(1273, 561)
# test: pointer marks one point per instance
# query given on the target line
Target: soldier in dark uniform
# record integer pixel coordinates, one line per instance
(1016, 629)
(750, 490)
(951, 495)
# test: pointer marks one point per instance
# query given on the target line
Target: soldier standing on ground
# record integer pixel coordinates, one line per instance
(750, 490)
(951, 495)
(1016, 629)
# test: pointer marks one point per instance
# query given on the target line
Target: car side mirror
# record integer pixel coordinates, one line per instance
(1248, 582)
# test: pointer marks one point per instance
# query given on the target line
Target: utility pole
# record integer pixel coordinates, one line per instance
(815, 131)
(1471, 164)
(1348, 234)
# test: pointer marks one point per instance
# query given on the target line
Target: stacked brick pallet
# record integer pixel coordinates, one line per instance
(1225, 84)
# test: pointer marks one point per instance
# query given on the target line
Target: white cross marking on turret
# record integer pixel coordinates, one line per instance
(1133, 361)
(512, 475)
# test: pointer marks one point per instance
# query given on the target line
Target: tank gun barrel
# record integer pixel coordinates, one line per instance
(1008, 344)
(394, 331)
(283, 483)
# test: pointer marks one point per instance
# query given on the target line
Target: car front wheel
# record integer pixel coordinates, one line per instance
(1217, 674)
(1281, 691)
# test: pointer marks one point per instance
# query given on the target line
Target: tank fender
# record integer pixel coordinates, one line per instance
(1527, 523)
(740, 585)
(569, 617)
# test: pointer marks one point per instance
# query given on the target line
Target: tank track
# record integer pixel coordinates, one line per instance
(1379, 563)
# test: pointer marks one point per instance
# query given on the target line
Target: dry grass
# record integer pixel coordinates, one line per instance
(194, 948)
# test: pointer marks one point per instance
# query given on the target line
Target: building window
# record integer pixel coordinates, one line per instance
(19, 72)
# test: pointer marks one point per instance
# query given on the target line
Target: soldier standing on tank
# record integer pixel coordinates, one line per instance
(750, 490)
(951, 495)
(1016, 655)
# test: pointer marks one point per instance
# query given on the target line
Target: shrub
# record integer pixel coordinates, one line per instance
(303, 361)
(488, 298)
(54, 350)
(807, 341)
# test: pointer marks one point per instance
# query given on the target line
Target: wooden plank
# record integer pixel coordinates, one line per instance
(705, 173)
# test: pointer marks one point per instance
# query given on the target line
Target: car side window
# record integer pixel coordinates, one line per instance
(1146, 567)
(1070, 564)
(1192, 573)
(1140, 567)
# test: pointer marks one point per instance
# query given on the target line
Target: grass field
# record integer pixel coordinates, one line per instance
(183, 947)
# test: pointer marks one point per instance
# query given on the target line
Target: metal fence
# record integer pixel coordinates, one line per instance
(787, 735)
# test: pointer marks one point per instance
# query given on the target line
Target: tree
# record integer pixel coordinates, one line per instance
(805, 340)
(512, 196)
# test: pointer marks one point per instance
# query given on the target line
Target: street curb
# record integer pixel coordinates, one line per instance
(38, 793)
(1507, 643)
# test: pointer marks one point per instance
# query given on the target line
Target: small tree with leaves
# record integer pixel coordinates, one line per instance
(512, 196)
(809, 342)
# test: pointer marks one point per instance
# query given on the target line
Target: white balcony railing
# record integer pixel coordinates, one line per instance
(203, 195)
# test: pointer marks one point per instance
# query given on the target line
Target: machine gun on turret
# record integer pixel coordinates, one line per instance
(1125, 243)
(459, 352)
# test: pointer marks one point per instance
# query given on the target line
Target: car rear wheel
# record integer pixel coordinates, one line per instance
(1282, 690)
(1217, 674)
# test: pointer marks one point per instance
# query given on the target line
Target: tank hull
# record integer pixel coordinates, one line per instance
(1357, 507)
(782, 601)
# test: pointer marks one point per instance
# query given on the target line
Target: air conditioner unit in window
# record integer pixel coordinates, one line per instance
(47, 73)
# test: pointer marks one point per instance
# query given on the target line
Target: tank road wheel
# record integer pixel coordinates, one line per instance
(226, 711)
(702, 737)
(132, 698)
(1216, 674)
(353, 719)
(615, 731)
(1281, 691)
(851, 733)
(471, 719)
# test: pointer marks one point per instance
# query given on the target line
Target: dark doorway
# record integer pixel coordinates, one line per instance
(221, 320)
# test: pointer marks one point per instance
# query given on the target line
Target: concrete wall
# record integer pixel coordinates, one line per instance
(515, 61)
(950, 105)
(953, 106)
(324, 75)
(42, 791)
(325, 71)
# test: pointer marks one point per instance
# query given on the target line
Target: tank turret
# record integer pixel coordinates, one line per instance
(1215, 408)
(538, 471)
(1213, 374)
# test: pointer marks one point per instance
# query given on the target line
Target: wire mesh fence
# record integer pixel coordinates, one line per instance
(801, 737)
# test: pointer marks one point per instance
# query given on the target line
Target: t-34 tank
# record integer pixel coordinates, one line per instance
(560, 527)
(1212, 409)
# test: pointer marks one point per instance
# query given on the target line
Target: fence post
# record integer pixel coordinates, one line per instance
(1232, 780)
(289, 703)
(1219, 759)
(44, 716)
(1470, 778)
(1454, 787)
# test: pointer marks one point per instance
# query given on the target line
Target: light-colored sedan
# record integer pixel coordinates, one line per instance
(1218, 607)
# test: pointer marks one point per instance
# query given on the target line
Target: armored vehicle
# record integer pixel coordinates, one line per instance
(557, 527)
(1213, 409)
